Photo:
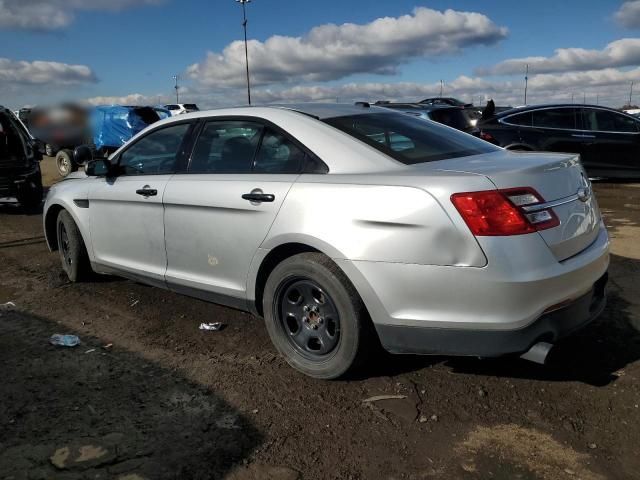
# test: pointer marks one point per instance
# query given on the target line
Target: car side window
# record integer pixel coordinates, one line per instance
(155, 153)
(562, 118)
(226, 147)
(523, 119)
(605, 121)
(277, 154)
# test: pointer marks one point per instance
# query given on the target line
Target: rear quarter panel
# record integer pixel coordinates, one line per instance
(374, 221)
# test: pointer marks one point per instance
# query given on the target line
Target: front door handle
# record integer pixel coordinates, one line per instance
(259, 197)
(147, 191)
(576, 135)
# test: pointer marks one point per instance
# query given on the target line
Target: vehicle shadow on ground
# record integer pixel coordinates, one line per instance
(595, 355)
(91, 412)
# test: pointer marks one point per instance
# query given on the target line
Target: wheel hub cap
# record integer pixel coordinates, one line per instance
(309, 317)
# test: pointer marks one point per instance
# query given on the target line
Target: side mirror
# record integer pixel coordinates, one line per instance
(82, 155)
(98, 168)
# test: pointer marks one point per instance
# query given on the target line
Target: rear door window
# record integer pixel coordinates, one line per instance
(606, 121)
(277, 154)
(559, 118)
(226, 147)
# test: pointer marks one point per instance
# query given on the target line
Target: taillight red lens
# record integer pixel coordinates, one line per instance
(500, 212)
(488, 137)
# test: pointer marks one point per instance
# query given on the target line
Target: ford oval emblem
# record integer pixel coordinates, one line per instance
(583, 194)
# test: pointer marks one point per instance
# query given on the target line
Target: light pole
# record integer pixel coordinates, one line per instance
(246, 51)
(175, 78)
(630, 93)
(441, 87)
(526, 82)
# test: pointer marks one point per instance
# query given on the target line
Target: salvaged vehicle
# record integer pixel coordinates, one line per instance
(20, 156)
(344, 227)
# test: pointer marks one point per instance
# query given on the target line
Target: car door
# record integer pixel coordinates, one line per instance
(557, 129)
(616, 143)
(218, 213)
(126, 212)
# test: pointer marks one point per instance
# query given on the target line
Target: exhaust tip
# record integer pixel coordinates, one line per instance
(538, 353)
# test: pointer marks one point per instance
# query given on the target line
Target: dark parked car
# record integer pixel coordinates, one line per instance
(464, 119)
(607, 140)
(445, 101)
(19, 162)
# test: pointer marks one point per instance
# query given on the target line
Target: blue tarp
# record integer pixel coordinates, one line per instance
(114, 125)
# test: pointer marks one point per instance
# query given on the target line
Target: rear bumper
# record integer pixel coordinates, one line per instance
(549, 327)
(488, 311)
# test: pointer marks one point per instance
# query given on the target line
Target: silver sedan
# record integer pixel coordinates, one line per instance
(345, 227)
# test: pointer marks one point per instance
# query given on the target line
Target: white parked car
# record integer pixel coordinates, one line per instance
(345, 226)
(181, 108)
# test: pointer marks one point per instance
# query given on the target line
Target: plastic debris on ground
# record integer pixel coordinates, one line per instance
(214, 326)
(64, 340)
(7, 306)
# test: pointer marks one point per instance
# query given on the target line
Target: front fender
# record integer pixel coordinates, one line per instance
(72, 197)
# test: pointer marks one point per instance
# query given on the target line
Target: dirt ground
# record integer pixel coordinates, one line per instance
(147, 395)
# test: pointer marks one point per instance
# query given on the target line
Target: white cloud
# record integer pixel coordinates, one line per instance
(55, 14)
(23, 73)
(620, 53)
(131, 99)
(628, 15)
(330, 52)
(608, 86)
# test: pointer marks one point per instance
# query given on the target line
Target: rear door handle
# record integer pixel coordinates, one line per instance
(147, 191)
(259, 197)
(576, 135)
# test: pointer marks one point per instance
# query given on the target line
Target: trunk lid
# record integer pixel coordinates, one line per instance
(558, 178)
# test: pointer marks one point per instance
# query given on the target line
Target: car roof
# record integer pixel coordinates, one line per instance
(528, 108)
(331, 110)
(420, 106)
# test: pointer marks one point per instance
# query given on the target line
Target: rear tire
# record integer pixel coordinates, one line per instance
(73, 253)
(315, 317)
(65, 163)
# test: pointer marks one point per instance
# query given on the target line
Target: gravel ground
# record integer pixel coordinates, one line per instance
(149, 396)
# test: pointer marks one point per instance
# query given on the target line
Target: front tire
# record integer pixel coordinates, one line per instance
(73, 253)
(315, 317)
(65, 163)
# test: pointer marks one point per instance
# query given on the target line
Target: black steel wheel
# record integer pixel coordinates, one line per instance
(315, 317)
(308, 316)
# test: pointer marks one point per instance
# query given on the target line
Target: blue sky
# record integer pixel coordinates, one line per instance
(136, 47)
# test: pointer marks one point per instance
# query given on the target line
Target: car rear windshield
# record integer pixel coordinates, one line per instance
(190, 106)
(410, 140)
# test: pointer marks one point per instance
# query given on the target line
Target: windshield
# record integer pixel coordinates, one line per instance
(191, 106)
(410, 140)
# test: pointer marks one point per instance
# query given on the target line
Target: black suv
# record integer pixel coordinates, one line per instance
(607, 140)
(457, 117)
(20, 157)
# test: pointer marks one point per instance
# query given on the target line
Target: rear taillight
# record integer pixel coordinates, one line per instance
(502, 212)
(488, 137)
